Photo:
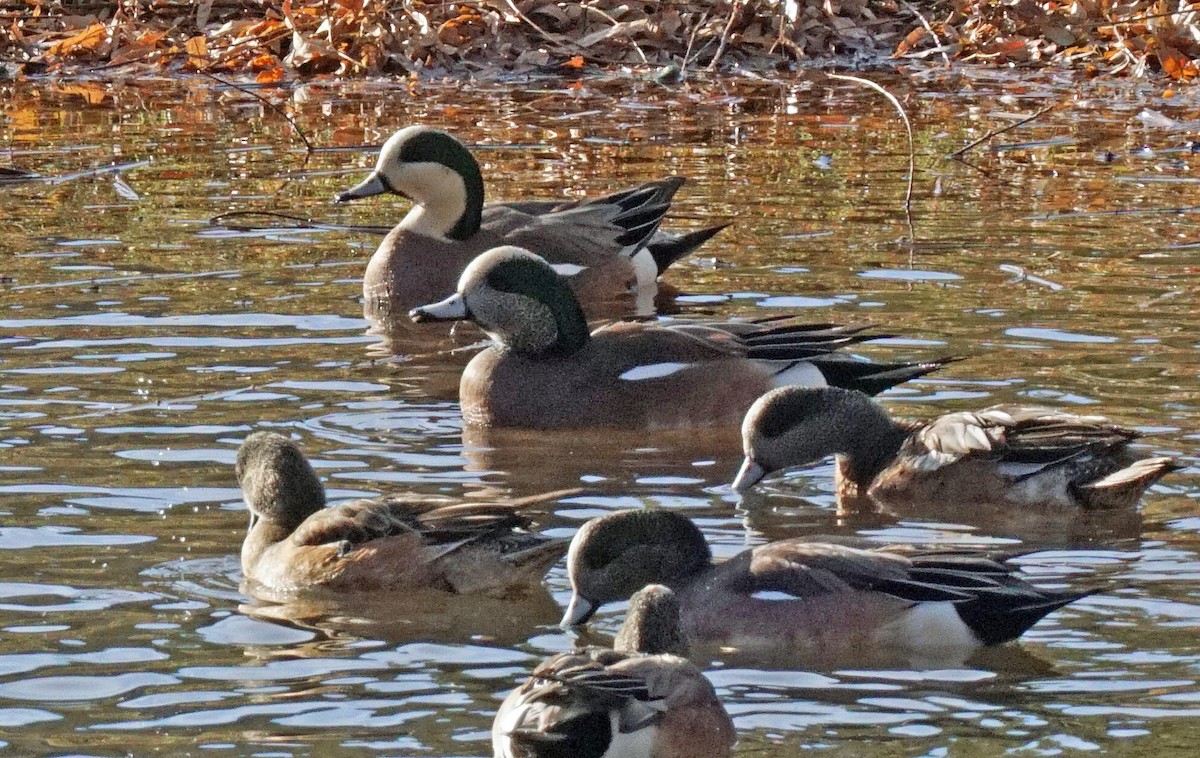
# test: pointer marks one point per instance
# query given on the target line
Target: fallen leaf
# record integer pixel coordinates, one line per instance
(575, 62)
(197, 50)
(85, 41)
(270, 75)
(1175, 64)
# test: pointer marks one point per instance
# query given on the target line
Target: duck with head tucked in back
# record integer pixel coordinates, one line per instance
(823, 603)
(548, 371)
(610, 246)
(638, 700)
(1003, 455)
(296, 544)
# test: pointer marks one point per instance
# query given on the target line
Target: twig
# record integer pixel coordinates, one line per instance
(912, 150)
(300, 223)
(286, 116)
(636, 47)
(925, 23)
(687, 54)
(733, 12)
(526, 19)
(996, 132)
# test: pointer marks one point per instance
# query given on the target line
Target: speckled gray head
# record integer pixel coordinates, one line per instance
(794, 426)
(277, 482)
(653, 623)
(519, 300)
(613, 556)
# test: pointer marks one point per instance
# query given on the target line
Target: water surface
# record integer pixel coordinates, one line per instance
(141, 344)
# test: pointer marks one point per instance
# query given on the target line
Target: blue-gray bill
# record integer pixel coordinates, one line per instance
(372, 185)
(579, 610)
(748, 475)
(453, 308)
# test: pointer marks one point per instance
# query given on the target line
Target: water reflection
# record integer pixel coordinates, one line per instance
(141, 344)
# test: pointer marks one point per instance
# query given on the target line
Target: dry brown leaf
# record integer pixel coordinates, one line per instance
(910, 41)
(86, 41)
(270, 75)
(1175, 64)
(197, 50)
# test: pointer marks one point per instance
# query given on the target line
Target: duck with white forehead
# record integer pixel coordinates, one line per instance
(547, 371)
(611, 246)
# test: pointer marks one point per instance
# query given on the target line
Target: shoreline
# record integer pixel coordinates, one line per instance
(671, 40)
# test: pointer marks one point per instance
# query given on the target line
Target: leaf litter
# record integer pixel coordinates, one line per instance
(269, 41)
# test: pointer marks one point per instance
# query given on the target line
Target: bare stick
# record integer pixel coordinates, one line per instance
(912, 150)
(547, 35)
(737, 6)
(687, 54)
(936, 39)
(995, 132)
(636, 47)
(224, 219)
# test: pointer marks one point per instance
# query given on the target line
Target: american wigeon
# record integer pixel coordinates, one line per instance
(608, 245)
(1005, 454)
(547, 371)
(296, 544)
(821, 601)
(639, 700)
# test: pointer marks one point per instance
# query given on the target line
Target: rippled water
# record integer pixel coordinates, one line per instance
(141, 344)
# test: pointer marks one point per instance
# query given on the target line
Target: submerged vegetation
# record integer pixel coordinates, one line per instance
(272, 40)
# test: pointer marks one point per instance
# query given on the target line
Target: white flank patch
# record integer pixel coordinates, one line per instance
(934, 625)
(645, 268)
(652, 371)
(800, 374)
(772, 595)
(567, 269)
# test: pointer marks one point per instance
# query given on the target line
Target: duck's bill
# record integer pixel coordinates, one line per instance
(748, 475)
(372, 185)
(453, 308)
(579, 610)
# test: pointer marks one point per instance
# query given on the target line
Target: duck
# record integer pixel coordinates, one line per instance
(820, 601)
(611, 246)
(296, 544)
(641, 699)
(1005, 455)
(546, 370)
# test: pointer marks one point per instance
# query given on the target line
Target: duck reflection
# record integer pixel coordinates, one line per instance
(415, 615)
(649, 462)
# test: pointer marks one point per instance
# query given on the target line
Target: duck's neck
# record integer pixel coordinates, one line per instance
(862, 456)
(261, 536)
(448, 202)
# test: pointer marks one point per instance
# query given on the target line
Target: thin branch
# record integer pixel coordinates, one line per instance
(286, 116)
(925, 23)
(300, 222)
(912, 149)
(547, 35)
(733, 12)
(687, 54)
(615, 23)
(996, 132)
